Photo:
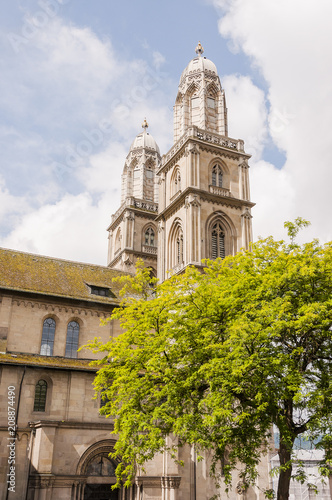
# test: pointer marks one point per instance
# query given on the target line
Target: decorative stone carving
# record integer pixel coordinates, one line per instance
(148, 481)
(170, 482)
(247, 214)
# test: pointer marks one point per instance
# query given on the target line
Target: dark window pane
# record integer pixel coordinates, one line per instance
(40, 396)
(149, 237)
(101, 291)
(73, 330)
(101, 466)
(217, 176)
(47, 342)
(217, 242)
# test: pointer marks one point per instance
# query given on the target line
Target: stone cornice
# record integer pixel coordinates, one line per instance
(141, 208)
(204, 196)
(72, 425)
(135, 253)
(43, 300)
(208, 141)
(55, 308)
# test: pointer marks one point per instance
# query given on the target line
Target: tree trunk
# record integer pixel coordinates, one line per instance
(285, 473)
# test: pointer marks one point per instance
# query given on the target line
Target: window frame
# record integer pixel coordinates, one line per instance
(39, 403)
(218, 247)
(149, 237)
(48, 335)
(217, 176)
(71, 342)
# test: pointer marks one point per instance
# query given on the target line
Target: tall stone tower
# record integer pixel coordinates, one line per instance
(133, 230)
(194, 203)
(204, 197)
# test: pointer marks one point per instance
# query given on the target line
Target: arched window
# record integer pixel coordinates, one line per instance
(117, 245)
(47, 342)
(149, 237)
(40, 396)
(176, 248)
(73, 330)
(179, 247)
(175, 182)
(101, 465)
(217, 241)
(217, 176)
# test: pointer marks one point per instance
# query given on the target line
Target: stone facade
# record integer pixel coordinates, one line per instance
(176, 210)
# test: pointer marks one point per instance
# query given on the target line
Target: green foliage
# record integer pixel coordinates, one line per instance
(218, 357)
(293, 228)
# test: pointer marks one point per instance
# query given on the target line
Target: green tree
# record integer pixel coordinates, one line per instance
(219, 357)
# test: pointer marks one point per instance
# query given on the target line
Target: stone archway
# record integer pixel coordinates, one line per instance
(97, 473)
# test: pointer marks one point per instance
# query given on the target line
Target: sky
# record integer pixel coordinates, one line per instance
(79, 76)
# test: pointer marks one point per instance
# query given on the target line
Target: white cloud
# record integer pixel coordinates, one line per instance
(70, 107)
(158, 59)
(289, 43)
(247, 116)
(74, 229)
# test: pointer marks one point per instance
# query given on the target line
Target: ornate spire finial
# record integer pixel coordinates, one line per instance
(145, 124)
(199, 49)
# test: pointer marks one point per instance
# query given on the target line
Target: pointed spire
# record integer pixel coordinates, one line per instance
(199, 49)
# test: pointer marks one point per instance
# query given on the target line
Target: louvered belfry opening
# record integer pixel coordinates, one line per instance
(218, 241)
(217, 176)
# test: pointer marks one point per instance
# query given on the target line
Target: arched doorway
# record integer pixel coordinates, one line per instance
(97, 473)
(101, 468)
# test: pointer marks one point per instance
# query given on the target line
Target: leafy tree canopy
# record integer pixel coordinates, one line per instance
(219, 357)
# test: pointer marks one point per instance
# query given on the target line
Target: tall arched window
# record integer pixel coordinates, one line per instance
(73, 330)
(117, 245)
(217, 241)
(176, 249)
(40, 396)
(179, 247)
(47, 342)
(217, 176)
(175, 182)
(149, 237)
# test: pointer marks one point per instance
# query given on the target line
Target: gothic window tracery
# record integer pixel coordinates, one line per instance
(217, 176)
(101, 466)
(217, 241)
(117, 245)
(40, 396)
(47, 342)
(73, 330)
(149, 237)
(175, 182)
(176, 246)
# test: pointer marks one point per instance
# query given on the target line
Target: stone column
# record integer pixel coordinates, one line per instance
(193, 233)
(170, 487)
(161, 251)
(129, 229)
(246, 228)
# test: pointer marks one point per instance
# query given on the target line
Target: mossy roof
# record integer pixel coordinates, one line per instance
(47, 361)
(27, 272)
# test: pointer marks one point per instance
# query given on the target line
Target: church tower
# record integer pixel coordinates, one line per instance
(204, 198)
(133, 230)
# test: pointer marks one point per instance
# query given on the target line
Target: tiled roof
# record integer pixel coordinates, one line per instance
(27, 272)
(47, 361)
